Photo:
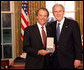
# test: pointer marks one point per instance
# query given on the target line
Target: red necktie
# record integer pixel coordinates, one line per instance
(43, 36)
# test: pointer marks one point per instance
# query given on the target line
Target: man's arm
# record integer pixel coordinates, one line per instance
(77, 44)
(77, 41)
(26, 43)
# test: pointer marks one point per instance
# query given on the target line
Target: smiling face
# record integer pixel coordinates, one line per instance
(42, 16)
(58, 12)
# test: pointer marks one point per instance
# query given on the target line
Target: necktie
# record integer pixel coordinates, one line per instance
(43, 36)
(58, 31)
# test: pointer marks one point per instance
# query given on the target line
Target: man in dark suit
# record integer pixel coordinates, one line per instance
(66, 33)
(34, 44)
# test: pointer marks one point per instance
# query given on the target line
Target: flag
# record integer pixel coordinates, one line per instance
(24, 17)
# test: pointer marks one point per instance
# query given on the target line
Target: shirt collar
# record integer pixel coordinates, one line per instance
(40, 25)
(62, 21)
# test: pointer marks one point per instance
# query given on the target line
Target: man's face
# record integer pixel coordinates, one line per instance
(58, 13)
(42, 17)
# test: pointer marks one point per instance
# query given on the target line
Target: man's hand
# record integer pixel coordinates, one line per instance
(76, 63)
(43, 52)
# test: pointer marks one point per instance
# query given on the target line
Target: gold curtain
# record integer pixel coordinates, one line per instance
(17, 10)
(79, 14)
(33, 6)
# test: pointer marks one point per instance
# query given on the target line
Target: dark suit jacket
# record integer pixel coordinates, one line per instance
(69, 46)
(31, 44)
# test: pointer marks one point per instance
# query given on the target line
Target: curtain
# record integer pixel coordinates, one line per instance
(79, 14)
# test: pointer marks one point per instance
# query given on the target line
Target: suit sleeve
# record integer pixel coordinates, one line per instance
(49, 30)
(77, 41)
(27, 44)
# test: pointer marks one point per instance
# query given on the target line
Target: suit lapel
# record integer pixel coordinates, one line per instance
(37, 34)
(63, 31)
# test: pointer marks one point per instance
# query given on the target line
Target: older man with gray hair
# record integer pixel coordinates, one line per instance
(66, 33)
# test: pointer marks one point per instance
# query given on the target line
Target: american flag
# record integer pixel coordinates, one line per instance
(24, 17)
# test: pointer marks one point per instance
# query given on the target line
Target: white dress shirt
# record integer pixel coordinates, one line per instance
(61, 24)
(40, 30)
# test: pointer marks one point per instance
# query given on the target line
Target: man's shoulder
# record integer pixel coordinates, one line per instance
(54, 22)
(30, 27)
(70, 20)
(51, 23)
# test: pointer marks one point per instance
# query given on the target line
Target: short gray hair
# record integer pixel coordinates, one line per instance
(58, 5)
